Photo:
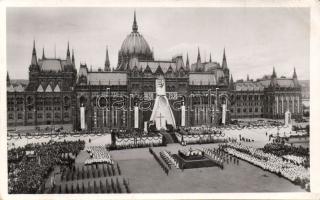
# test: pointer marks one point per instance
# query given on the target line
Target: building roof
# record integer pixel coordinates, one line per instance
(107, 78)
(249, 86)
(263, 83)
(202, 79)
(53, 64)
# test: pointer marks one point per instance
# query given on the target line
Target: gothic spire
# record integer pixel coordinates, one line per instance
(273, 81)
(248, 77)
(134, 25)
(68, 52)
(224, 60)
(274, 75)
(8, 79)
(187, 63)
(294, 74)
(295, 78)
(198, 57)
(231, 84)
(34, 54)
(210, 58)
(43, 56)
(107, 62)
(73, 57)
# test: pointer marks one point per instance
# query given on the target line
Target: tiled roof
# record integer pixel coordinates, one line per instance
(202, 79)
(249, 86)
(106, 78)
(50, 65)
(285, 82)
(261, 84)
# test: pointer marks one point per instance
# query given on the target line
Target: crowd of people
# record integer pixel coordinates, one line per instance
(270, 162)
(184, 139)
(160, 162)
(109, 185)
(28, 173)
(167, 157)
(298, 155)
(98, 154)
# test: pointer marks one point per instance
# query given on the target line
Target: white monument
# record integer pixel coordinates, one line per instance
(136, 117)
(224, 110)
(287, 118)
(162, 113)
(145, 128)
(183, 114)
(82, 118)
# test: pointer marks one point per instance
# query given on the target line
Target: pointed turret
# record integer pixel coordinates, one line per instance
(134, 25)
(73, 61)
(187, 63)
(198, 57)
(231, 83)
(274, 74)
(34, 55)
(8, 79)
(43, 56)
(294, 74)
(68, 53)
(273, 81)
(107, 62)
(295, 78)
(224, 60)
(210, 58)
(248, 79)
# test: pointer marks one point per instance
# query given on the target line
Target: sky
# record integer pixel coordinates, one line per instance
(255, 39)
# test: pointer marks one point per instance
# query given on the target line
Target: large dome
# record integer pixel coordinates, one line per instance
(135, 44)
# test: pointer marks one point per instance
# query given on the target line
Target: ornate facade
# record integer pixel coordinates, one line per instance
(56, 92)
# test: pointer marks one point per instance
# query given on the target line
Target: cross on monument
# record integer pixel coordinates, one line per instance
(160, 116)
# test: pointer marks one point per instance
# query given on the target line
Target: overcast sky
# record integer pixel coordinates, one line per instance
(256, 39)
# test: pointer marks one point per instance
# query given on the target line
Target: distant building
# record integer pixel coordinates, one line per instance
(55, 90)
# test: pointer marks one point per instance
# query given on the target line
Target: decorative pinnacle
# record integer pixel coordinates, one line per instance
(134, 25)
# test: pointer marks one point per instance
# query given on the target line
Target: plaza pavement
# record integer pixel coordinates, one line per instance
(145, 175)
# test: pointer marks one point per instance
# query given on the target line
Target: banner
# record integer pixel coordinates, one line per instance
(82, 118)
(136, 117)
(160, 87)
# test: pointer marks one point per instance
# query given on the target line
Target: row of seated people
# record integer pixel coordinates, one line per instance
(98, 154)
(214, 155)
(167, 157)
(92, 186)
(160, 162)
(89, 171)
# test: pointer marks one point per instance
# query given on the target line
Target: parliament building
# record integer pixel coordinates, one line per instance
(58, 93)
